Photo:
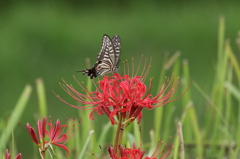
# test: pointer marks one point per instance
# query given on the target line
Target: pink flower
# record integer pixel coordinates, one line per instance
(57, 135)
(8, 156)
(122, 95)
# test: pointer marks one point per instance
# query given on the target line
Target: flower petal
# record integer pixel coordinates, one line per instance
(63, 147)
(32, 134)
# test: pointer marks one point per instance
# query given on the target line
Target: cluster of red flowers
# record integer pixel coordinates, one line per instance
(121, 95)
(137, 153)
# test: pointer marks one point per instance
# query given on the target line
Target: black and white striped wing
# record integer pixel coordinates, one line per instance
(106, 59)
(117, 47)
(106, 49)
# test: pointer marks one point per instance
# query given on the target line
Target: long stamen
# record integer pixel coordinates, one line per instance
(77, 96)
(149, 89)
(127, 67)
(139, 66)
(124, 68)
(84, 88)
(132, 67)
(147, 70)
(144, 67)
(94, 83)
(77, 107)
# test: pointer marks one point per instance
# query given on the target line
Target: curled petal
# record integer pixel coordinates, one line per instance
(64, 147)
(91, 115)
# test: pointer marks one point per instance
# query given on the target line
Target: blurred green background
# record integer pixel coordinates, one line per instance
(51, 39)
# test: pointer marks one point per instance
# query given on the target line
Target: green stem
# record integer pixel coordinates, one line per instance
(122, 127)
(116, 142)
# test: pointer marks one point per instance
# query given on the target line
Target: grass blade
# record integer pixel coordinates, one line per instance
(85, 144)
(88, 124)
(137, 133)
(196, 130)
(102, 138)
(41, 97)
(158, 113)
(180, 135)
(233, 60)
(177, 139)
(187, 129)
(229, 95)
(233, 89)
(15, 116)
(218, 89)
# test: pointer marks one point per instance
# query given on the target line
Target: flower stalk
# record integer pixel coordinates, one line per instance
(118, 131)
(42, 153)
(121, 136)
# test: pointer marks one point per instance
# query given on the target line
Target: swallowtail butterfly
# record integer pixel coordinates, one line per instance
(107, 58)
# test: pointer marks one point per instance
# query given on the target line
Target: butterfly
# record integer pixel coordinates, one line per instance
(107, 58)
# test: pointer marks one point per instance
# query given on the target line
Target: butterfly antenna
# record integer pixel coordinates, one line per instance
(81, 71)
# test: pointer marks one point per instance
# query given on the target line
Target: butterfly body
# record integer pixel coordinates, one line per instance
(107, 58)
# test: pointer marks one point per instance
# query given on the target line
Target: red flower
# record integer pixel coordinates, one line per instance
(136, 153)
(41, 133)
(8, 156)
(56, 135)
(122, 95)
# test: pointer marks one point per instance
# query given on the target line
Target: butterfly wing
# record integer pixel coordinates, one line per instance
(106, 49)
(117, 47)
(107, 58)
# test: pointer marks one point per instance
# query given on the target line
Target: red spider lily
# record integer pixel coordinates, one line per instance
(41, 133)
(126, 153)
(56, 135)
(122, 95)
(136, 153)
(8, 156)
